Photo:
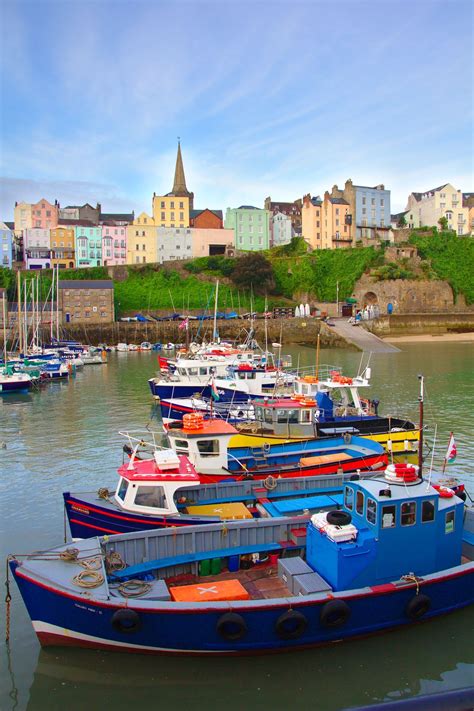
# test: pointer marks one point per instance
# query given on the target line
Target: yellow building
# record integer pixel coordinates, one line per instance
(311, 228)
(444, 201)
(62, 247)
(173, 209)
(336, 223)
(141, 240)
(23, 216)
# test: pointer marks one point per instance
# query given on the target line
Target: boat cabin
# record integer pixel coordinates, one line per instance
(392, 526)
(148, 486)
(337, 395)
(204, 442)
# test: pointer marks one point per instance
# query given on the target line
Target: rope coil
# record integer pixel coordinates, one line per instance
(88, 579)
(134, 588)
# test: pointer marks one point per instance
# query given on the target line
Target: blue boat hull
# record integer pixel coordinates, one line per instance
(14, 387)
(86, 520)
(182, 390)
(62, 618)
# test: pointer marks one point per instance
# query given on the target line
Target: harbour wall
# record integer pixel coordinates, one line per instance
(422, 323)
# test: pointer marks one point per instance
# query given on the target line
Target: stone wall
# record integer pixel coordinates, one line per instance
(409, 296)
(402, 324)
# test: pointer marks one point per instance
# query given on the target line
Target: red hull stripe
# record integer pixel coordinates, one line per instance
(104, 512)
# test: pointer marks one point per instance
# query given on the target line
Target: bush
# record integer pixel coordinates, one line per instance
(218, 265)
(392, 271)
(253, 270)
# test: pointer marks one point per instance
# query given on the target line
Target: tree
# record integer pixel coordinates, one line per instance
(443, 223)
(401, 221)
(253, 270)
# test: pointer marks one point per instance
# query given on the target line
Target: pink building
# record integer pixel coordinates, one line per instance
(44, 214)
(114, 244)
(208, 242)
(37, 248)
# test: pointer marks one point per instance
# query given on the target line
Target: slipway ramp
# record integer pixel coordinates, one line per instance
(360, 338)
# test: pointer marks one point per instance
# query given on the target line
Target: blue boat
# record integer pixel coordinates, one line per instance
(397, 553)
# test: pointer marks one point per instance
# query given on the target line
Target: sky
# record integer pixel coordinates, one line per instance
(269, 98)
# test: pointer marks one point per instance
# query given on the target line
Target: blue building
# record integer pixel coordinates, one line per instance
(370, 210)
(6, 246)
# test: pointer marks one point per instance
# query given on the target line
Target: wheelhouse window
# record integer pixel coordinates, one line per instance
(371, 512)
(181, 444)
(151, 496)
(208, 447)
(360, 502)
(305, 416)
(427, 511)
(122, 489)
(388, 516)
(349, 498)
(449, 522)
(408, 513)
(203, 371)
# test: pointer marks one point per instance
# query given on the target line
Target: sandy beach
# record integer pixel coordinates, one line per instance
(427, 338)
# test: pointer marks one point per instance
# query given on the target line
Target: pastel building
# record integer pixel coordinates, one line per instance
(443, 201)
(142, 240)
(114, 244)
(88, 244)
(45, 214)
(62, 247)
(468, 202)
(311, 229)
(174, 208)
(292, 209)
(336, 223)
(369, 208)
(6, 246)
(209, 242)
(251, 226)
(80, 212)
(37, 248)
(173, 244)
(23, 216)
(281, 229)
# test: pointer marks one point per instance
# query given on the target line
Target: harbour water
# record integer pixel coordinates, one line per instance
(66, 438)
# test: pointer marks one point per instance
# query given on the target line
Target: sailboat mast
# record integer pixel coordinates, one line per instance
(57, 302)
(4, 315)
(51, 312)
(20, 326)
(215, 310)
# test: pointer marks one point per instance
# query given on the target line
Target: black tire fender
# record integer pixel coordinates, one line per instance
(126, 621)
(418, 606)
(291, 625)
(334, 613)
(338, 518)
(231, 626)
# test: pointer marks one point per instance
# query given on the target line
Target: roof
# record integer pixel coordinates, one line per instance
(10, 225)
(179, 183)
(248, 207)
(397, 215)
(418, 196)
(196, 213)
(117, 216)
(371, 187)
(86, 284)
(337, 201)
(71, 223)
(209, 427)
(147, 470)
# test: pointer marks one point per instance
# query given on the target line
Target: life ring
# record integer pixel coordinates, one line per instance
(291, 625)
(231, 626)
(126, 621)
(334, 613)
(270, 483)
(417, 607)
(444, 491)
(338, 518)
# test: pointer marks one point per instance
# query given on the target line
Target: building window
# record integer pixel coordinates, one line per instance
(373, 201)
(163, 216)
(137, 247)
(181, 205)
(381, 202)
(162, 204)
(181, 215)
(363, 201)
(172, 205)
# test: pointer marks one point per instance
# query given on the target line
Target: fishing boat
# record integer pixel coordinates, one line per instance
(395, 554)
(207, 445)
(324, 406)
(165, 490)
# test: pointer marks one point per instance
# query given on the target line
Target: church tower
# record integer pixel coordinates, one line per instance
(174, 208)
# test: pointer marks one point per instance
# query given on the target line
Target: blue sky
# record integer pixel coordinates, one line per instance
(273, 98)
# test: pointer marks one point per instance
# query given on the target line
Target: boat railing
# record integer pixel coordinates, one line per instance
(136, 440)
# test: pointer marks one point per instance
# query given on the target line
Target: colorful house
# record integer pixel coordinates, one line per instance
(369, 208)
(468, 202)
(281, 229)
(6, 246)
(443, 201)
(23, 216)
(114, 244)
(311, 221)
(251, 226)
(174, 208)
(291, 209)
(37, 248)
(336, 223)
(62, 247)
(142, 240)
(88, 244)
(44, 214)
(209, 242)
(173, 244)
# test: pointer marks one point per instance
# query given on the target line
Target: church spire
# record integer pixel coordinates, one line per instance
(179, 185)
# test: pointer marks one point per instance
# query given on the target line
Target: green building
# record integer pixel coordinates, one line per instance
(251, 227)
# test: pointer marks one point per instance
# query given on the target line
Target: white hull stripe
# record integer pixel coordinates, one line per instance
(46, 628)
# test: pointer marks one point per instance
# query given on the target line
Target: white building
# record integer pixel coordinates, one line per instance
(443, 201)
(281, 230)
(173, 243)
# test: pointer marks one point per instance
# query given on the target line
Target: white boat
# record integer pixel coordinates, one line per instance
(145, 346)
(133, 347)
(122, 347)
